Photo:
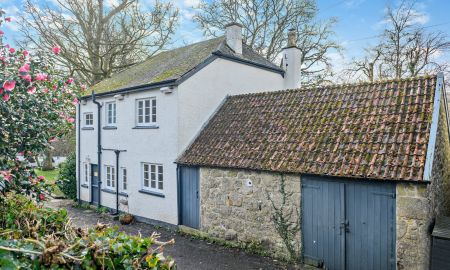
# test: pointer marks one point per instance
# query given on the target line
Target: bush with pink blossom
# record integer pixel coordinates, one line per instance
(37, 105)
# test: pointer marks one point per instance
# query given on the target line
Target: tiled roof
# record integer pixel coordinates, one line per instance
(173, 64)
(372, 130)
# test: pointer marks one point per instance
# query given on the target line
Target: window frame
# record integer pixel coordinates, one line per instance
(124, 176)
(113, 115)
(153, 112)
(85, 119)
(158, 179)
(86, 171)
(112, 173)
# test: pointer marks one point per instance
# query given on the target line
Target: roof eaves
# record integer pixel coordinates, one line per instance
(196, 69)
(434, 127)
(138, 88)
(247, 62)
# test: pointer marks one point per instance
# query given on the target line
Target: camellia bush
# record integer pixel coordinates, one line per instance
(37, 105)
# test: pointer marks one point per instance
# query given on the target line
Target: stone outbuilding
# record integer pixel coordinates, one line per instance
(362, 169)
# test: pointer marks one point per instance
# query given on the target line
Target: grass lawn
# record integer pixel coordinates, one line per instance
(51, 177)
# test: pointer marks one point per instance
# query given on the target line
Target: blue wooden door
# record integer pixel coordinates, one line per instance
(94, 184)
(189, 197)
(348, 224)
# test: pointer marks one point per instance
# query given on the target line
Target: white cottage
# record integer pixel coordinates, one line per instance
(136, 123)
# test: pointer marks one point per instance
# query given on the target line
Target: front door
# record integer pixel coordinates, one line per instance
(348, 224)
(94, 184)
(189, 197)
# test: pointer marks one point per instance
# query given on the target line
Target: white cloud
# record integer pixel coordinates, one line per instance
(191, 3)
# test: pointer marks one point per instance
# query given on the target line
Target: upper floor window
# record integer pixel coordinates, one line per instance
(152, 176)
(111, 113)
(110, 176)
(89, 119)
(146, 111)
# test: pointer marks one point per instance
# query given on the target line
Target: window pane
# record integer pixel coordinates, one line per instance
(160, 169)
(145, 183)
(154, 102)
(153, 184)
(160, 185)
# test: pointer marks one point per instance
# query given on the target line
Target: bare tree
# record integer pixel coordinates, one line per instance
(265, 24)
(405, 49)
(96, 39)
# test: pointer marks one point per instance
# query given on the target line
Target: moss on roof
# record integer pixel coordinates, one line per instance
(164, 66)
(173, 64)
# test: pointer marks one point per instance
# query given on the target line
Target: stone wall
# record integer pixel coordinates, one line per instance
(413, 221)
(235, 207)
(418, 205)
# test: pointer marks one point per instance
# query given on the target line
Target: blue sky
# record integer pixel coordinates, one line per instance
(358, 21)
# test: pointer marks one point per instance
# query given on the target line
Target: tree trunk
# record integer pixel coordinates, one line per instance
(48, 161)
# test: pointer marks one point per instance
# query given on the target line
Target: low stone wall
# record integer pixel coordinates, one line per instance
(413, 222)
(235, 207)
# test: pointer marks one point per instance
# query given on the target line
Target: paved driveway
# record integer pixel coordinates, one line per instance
(189, 253)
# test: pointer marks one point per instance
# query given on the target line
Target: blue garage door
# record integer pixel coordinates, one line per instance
(189, 197)
(348, 224)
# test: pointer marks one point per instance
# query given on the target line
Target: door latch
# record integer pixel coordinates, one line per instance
(344, 225)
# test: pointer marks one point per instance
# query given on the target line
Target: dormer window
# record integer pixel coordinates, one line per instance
(111, 113)
(146, 111)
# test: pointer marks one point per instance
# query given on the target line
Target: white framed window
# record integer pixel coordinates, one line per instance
(152, 176)
(146, 111)
(124, 185)
(86, 172)
(111, 113)
(110, 176)
(88, 119)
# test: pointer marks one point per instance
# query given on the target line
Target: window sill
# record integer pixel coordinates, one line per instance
(109, 127)
(84, 185)
(114, 192)
(146, 127)
(87, 128)
(153, 193)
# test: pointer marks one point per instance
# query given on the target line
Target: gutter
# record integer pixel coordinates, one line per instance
(99, 147)
(434, 127)
(134, 89)
(247, 62)
(78, 154)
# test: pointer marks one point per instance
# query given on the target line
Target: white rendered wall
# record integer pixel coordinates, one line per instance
(142, 145)
(202, 93)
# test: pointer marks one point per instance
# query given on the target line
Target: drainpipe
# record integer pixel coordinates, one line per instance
(78, 154)
(99, 147)
(117, 152)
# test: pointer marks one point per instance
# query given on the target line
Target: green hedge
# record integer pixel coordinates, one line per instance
(67, 180)
(35, 237)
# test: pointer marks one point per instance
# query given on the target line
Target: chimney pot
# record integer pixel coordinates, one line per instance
(292, 38)
(233, 36)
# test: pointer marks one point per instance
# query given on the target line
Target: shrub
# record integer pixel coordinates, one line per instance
(35, 237)
(67, 180)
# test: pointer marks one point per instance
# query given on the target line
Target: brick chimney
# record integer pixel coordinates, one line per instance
(233, 37)
(292, 62)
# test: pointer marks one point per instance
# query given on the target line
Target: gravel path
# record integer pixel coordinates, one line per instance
(189, 253)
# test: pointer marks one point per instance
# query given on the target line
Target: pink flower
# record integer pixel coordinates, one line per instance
(12, 50)
(25, 53)
(6, 98)
(1, 33)
(56, 49)
(26, 77)
(75, 101)
(55, 100)
(52, 139)
(31, 90)
(70, 120)
(24, 69)
(45, 90)
(42, 196)
(41, 77)
(70, 80)
(7, 46)
(20, 153)
(9, 85)
(8, 19)
(1, 90)
(41, 178)
(54, 87)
